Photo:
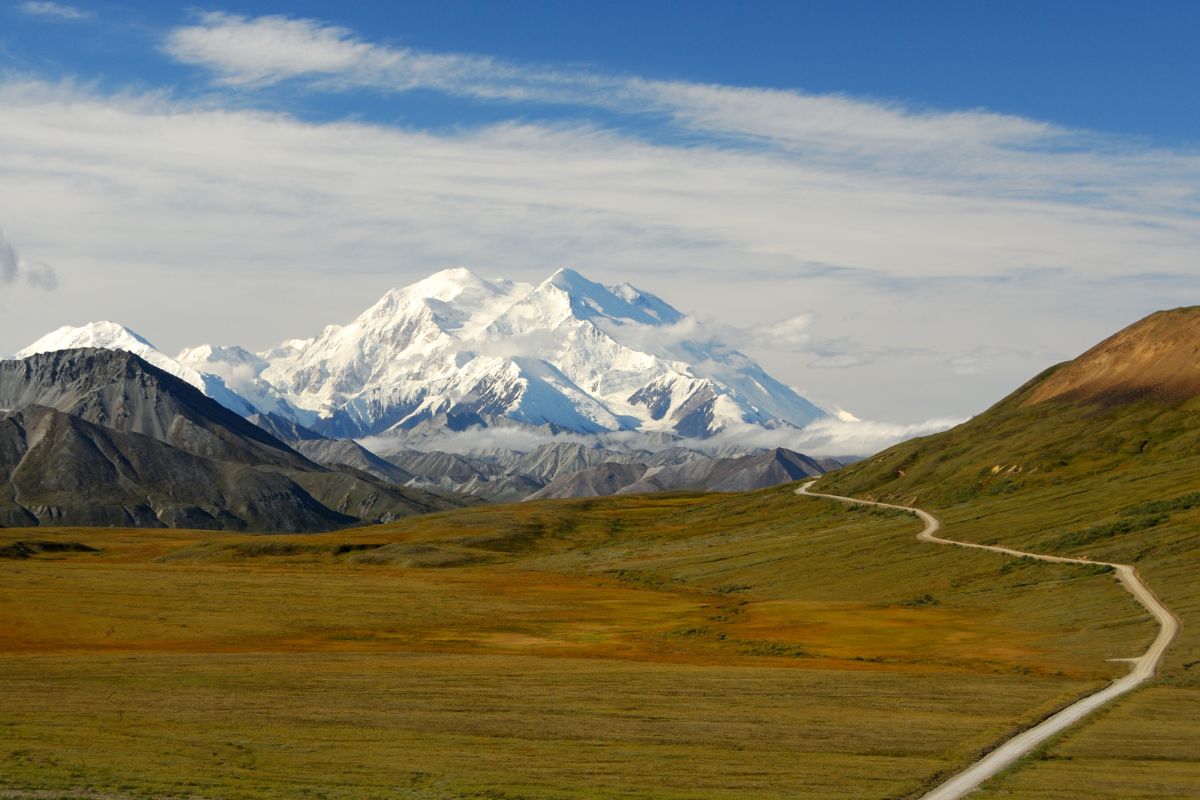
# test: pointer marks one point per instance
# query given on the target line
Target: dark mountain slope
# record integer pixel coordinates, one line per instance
(742, 473)
(119, 390)
(284, 429)
(735, 474)
(57, 469)
(133, 445)
(329, 452)
(598, 481)
(348, 453)
(436, 465)
(555, 459)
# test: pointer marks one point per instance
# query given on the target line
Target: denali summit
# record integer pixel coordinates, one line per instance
(456, 350)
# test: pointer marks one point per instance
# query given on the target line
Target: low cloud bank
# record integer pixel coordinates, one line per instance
(826, 437)
(837, 437)
(472, 440)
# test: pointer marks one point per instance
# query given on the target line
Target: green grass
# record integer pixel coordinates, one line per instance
(1115, 483)
(357, 725)
(677, 646)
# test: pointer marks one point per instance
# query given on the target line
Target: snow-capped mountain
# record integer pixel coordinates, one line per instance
(240, 371)
(568, 353)
(456, 350)
(112, 336)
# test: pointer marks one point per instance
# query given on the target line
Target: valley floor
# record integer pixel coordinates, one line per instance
(677, 646)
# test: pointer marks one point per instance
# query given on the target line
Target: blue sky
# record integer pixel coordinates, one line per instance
(852, 192)
(1116, 67)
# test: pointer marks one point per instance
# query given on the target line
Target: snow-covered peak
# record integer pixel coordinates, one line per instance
(568, 280)
(567, 297)
(104, 334)
(622, 303)
(454, 301)
(286, 352)
(108, 336)
(206, 355)
(566, 350)
(240, 371)
(447, 285)
(456, 349)
(114, 336)
(648, 303)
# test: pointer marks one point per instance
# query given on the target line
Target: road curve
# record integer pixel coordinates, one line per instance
(1021, 744)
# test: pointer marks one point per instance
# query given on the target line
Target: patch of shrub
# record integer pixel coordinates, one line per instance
(1015, 563)
(1183, 503)
(267, 548)
(756, 647)
(342, 549)
(29, 549)
(1098, 533)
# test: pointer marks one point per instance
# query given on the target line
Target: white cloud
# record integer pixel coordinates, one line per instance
(944, 233)
(266, 49)
(56, 11)
(980, 359)
(793, 333)
(845, 436)
(840, 437)
(9, 261)
(473, 440)
(797, 335)
(828, 124)
(14, 268)
(258, 51)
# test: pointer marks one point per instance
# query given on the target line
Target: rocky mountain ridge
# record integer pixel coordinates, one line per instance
(573, 469)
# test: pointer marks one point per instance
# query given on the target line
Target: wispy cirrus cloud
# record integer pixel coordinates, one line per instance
(55, 11)
(261, 51)
(970, 152)
(979, 359)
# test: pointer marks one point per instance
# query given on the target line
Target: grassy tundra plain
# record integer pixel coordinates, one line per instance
(667, 646)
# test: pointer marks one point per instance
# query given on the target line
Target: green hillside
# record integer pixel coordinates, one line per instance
(1099, 457)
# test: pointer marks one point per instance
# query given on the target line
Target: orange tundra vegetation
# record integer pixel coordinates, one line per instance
(673, 646)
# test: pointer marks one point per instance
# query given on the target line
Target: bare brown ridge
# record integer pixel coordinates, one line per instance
(1155, 359)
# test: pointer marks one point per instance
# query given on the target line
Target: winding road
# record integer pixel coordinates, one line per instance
(1023, 743)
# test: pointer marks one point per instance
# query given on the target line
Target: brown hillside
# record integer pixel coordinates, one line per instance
(1157, 358)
